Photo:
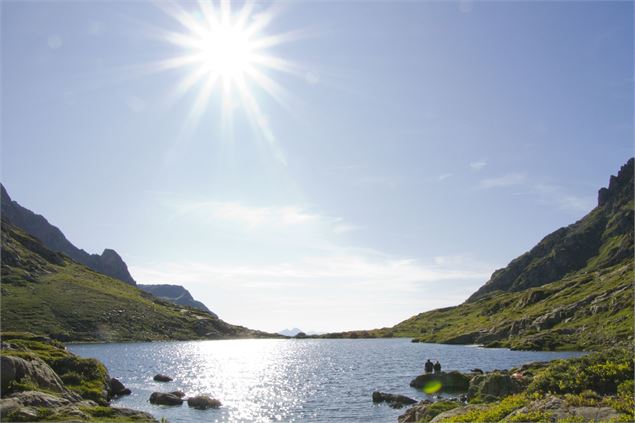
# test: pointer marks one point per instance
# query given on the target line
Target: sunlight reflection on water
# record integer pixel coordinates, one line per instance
(287, 380)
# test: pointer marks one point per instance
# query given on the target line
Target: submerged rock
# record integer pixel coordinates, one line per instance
(164, 398)
(203, 402)
(450, 381)
(395, 401)
(162, 378)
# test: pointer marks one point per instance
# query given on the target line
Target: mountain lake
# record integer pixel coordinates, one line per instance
(288, 380)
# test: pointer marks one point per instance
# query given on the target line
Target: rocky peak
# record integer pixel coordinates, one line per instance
(603, 237)
(618, 185)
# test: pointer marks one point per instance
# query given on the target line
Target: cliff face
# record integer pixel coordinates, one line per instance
(109, 262)
(606, 233)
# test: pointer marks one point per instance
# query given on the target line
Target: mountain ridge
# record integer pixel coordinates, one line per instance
(109, 262)
(573, 290)
(48, 293)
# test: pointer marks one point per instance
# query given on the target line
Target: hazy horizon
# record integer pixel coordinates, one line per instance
(380, 160)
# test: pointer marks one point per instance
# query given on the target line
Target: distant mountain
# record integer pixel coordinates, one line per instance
(109, 262)
(47, 293)
(290, 332)
(176, 294)
(574, 290)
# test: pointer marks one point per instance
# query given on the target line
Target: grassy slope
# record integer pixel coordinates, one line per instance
(46, 293)
(489, 320)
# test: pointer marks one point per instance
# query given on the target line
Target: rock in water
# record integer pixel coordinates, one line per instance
(203, 402)
(395, 401)
(117, 388)
(179, 394)
(164, 398)
(162, 378)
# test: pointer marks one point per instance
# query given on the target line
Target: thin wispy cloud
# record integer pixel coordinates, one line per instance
(444, 176)
(371, 284)
(507, 180)
(478, 165)
(557, 195)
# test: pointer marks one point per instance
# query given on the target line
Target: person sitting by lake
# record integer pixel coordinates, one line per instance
(437, 367)
(429, 366)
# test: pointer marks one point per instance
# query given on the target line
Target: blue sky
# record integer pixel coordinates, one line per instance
(414, 148)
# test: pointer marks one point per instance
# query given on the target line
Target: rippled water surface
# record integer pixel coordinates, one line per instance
(314, 380)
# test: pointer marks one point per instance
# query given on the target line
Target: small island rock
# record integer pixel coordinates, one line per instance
(203, 402)
(162, 378)
(164, 398)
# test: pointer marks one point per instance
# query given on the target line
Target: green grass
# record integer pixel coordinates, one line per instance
(70, 302)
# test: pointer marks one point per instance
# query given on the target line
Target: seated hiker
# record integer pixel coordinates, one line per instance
(437, 367)
(429, 366)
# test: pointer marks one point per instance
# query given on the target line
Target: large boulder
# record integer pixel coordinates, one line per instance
(395, 401)
(203, 402)
(35, 370)
(450, 381)
(493, 386)
(165, 398)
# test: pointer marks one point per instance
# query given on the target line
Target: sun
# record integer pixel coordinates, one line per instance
(224, 54)
(226, 51)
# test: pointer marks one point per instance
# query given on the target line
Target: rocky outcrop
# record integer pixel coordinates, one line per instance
(559, 410)
(393, 400)
(457, 412)
(492, 386)
(175, 294)
(108, 263)
(203, 402)
(415, 413)
(34, 371)
(50, 383)
(450, 381)
(165, 398)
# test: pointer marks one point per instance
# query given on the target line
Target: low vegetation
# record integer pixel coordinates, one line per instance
(563, 391)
